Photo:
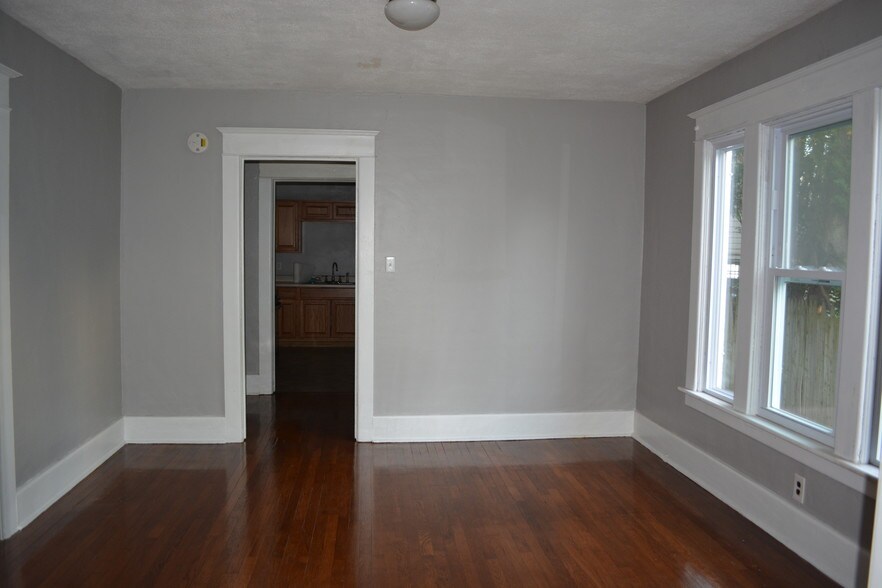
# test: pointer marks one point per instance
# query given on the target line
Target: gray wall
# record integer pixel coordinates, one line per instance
(251, 228)
(323, 243)
(516, 225)
(667, 251)
(65, 213)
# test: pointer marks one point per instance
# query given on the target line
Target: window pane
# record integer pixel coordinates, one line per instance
(727, 263)
(807, 349)
(817, 191)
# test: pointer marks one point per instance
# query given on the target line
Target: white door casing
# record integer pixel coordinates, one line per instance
(241, 144)
(8, 505)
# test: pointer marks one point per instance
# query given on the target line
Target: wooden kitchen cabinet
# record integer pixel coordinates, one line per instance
(344, 211)
(288, 233)
(318, 211)
(328, 211)
(286, 319)
(343, 318)
(316, 319)
(312, 316)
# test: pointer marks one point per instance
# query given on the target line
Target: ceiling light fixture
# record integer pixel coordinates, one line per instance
(412, 15)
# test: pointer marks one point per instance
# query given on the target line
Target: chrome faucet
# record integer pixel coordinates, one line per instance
(334, 269)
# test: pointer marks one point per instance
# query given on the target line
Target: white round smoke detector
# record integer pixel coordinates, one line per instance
(197, 142)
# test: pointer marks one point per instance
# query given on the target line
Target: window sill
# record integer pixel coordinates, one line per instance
(804, 450)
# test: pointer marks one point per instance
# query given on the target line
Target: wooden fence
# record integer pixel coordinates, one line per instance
(811, 348)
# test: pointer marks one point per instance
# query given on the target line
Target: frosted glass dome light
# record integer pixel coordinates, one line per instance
(412, 15)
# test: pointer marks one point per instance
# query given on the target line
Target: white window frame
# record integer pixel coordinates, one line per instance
(718, 237)
(774, 262)
(850, 79)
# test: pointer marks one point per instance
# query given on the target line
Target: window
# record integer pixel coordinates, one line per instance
(727, 187)
(786, 267)
(806, 273)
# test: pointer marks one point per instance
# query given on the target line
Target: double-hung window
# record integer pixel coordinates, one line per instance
(786, 265)
(725, 240)
(806, 271)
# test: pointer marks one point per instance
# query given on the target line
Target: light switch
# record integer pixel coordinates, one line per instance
(390, 264)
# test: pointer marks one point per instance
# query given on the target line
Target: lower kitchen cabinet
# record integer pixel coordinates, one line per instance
(316, 322)
(286, 319)
(310, 316)
(343, 318)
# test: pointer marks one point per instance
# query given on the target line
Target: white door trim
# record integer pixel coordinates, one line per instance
(241, 144)
(264, 382)
(8, 503)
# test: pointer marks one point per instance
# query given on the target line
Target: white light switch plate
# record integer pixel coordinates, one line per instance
(390, 264)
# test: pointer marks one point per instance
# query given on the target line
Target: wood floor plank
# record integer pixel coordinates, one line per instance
(301, 504)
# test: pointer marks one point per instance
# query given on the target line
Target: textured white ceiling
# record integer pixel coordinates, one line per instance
(630, 50)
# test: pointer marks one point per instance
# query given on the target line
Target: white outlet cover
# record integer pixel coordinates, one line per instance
(197, 142)
(799, 488)
(390, 264)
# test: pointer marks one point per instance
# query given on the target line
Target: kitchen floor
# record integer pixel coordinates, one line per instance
(315, 370)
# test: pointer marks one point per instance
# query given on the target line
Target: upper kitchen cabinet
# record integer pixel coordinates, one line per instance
(344, 211)
(318, 211)
(328, 211)
(288, 226)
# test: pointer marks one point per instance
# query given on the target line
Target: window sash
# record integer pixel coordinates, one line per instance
(778, 270)
(772, 359)
(775, 270)
(719, 249)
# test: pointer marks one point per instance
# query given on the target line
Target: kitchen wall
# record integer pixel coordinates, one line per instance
(323, 243)
(65, 248)
(667, 253)
(517, 227)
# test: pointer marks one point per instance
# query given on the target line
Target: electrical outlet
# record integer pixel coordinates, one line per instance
(390, 264)
(798, 488)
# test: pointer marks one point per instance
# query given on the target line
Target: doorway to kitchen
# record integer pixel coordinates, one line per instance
(306, 146)
(300, 281)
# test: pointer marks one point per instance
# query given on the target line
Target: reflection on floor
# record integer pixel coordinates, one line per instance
(301, 504)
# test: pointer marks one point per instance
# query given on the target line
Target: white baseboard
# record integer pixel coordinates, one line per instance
(831, 552)
(41, 491)
(502, 427)
(176, 430)
(257, 385)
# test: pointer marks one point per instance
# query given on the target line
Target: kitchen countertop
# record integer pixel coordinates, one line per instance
(284, 282)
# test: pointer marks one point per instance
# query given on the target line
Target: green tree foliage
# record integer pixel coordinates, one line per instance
(819, 184)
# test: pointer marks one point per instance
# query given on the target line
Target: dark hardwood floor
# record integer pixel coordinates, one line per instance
(300, 504)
